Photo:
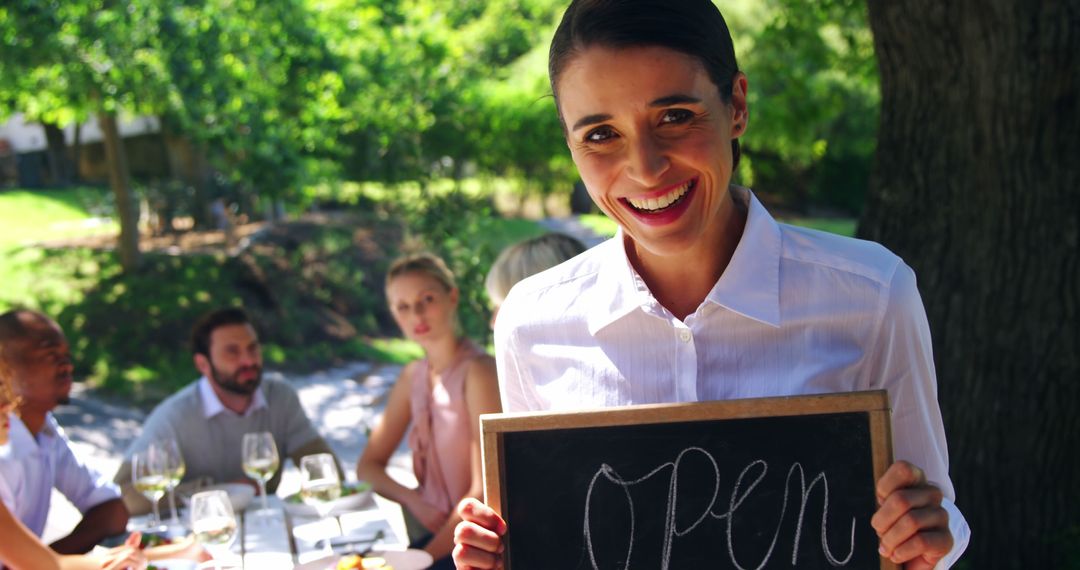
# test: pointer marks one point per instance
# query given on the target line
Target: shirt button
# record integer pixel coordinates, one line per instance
(684, 335)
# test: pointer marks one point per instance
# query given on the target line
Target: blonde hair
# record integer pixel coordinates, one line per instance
(427, 263)
(527, 258)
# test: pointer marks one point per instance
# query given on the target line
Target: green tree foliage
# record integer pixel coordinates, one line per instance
(814, 99)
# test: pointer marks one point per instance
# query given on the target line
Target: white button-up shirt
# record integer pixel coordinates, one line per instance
(795, 312)
(31, 466)
(212, 405)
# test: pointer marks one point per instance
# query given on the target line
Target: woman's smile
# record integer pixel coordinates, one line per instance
(663, 206)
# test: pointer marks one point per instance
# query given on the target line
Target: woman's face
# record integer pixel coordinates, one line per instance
(651, 138)
(422, 307)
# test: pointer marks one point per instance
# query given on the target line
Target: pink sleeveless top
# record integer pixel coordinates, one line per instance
(441, 435)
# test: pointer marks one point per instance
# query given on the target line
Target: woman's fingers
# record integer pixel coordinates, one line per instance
(911, 523)
(478, 537)
(473, 511)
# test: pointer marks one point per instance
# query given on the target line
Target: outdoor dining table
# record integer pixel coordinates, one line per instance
(284, 538)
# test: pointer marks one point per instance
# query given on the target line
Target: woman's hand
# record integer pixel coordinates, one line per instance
(478, 537)
(125, 557)
(911, 523)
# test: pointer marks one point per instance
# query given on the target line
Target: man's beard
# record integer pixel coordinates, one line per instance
(229, 382)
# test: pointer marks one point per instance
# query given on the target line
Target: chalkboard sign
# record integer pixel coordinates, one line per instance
(758, 483)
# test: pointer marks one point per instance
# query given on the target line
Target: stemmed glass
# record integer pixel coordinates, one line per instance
(174, 469)
(260, 460)
(149, 474)
(213, 522)
(320, 483)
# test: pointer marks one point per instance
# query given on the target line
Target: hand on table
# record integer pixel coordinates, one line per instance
(911, 523)
(127, 556)
(478, 537)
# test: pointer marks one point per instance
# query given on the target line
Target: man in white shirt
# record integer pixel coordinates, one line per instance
(209, 417)
(39, 456)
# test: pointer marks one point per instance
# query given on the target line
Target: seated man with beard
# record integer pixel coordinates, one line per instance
(209, 417)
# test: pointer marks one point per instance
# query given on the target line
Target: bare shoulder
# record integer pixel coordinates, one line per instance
(481, 366)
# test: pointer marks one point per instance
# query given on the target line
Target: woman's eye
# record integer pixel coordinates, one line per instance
(429, 299)
(676, 116)
(402, 308)
(599, 135)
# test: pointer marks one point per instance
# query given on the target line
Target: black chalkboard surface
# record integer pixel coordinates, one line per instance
(763, 483)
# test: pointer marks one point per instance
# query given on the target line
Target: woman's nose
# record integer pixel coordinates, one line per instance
(647, 161)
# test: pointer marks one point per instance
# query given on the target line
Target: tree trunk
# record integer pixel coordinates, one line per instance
(977, 186)
(76, 154)
(59, 168)
(121, 186)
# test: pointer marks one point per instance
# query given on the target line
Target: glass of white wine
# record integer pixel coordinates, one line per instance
(174, 471)
(260, 460)
(149, 474)
(213, 522)
(319, 481)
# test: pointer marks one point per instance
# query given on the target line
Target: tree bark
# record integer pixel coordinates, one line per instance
(59, 167)
(120, 182)
(977, 187)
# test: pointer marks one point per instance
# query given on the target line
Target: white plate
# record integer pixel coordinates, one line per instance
(174, 564)
(411, 559)
(349, 503)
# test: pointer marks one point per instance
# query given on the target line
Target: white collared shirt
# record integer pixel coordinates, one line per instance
(212, 405)
(796, 311)
(31, 466)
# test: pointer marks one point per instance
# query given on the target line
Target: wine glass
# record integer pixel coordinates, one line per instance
(175, 469)
(320, 483)
(149, 474)
(260, 460)
(213, 522)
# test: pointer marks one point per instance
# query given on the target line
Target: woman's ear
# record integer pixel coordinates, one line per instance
(740, 110)
(454, 295)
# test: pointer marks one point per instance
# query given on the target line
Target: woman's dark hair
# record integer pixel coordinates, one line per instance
(692, 27)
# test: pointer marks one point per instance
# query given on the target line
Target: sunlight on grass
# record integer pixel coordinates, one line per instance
(600, 224)
(389, 350)
(32, 216)
(839, 226)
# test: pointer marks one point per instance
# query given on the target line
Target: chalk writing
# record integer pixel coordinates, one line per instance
(749, 478)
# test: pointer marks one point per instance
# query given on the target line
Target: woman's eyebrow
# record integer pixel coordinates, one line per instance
(590, 120)
(676, 99)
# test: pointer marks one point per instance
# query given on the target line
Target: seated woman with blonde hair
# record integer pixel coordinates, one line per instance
(442, 395)
(524, 259)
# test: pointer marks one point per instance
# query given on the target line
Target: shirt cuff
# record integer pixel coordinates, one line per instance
(961, 533)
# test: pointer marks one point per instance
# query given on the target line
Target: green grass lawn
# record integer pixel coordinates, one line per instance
(28, 216)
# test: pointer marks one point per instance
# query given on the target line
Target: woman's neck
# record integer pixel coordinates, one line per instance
(681, 282)
(442, 353)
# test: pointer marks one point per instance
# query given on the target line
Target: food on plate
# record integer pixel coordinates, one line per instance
(150, 540)
(346, 490)
(357, 562)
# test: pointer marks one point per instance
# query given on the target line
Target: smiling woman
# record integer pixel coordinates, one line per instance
(702, 295)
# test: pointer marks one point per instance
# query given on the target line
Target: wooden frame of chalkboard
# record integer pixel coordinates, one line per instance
(731, 484)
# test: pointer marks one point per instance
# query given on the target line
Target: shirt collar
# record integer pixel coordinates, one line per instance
(22, 443)
(212, 405)
(749, 286)
(619, 289)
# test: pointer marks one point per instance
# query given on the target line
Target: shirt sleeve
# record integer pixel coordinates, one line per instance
(84, 486)
(902, 363)
(515, 386)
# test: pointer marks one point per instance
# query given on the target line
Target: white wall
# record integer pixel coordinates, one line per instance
(25, 137)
